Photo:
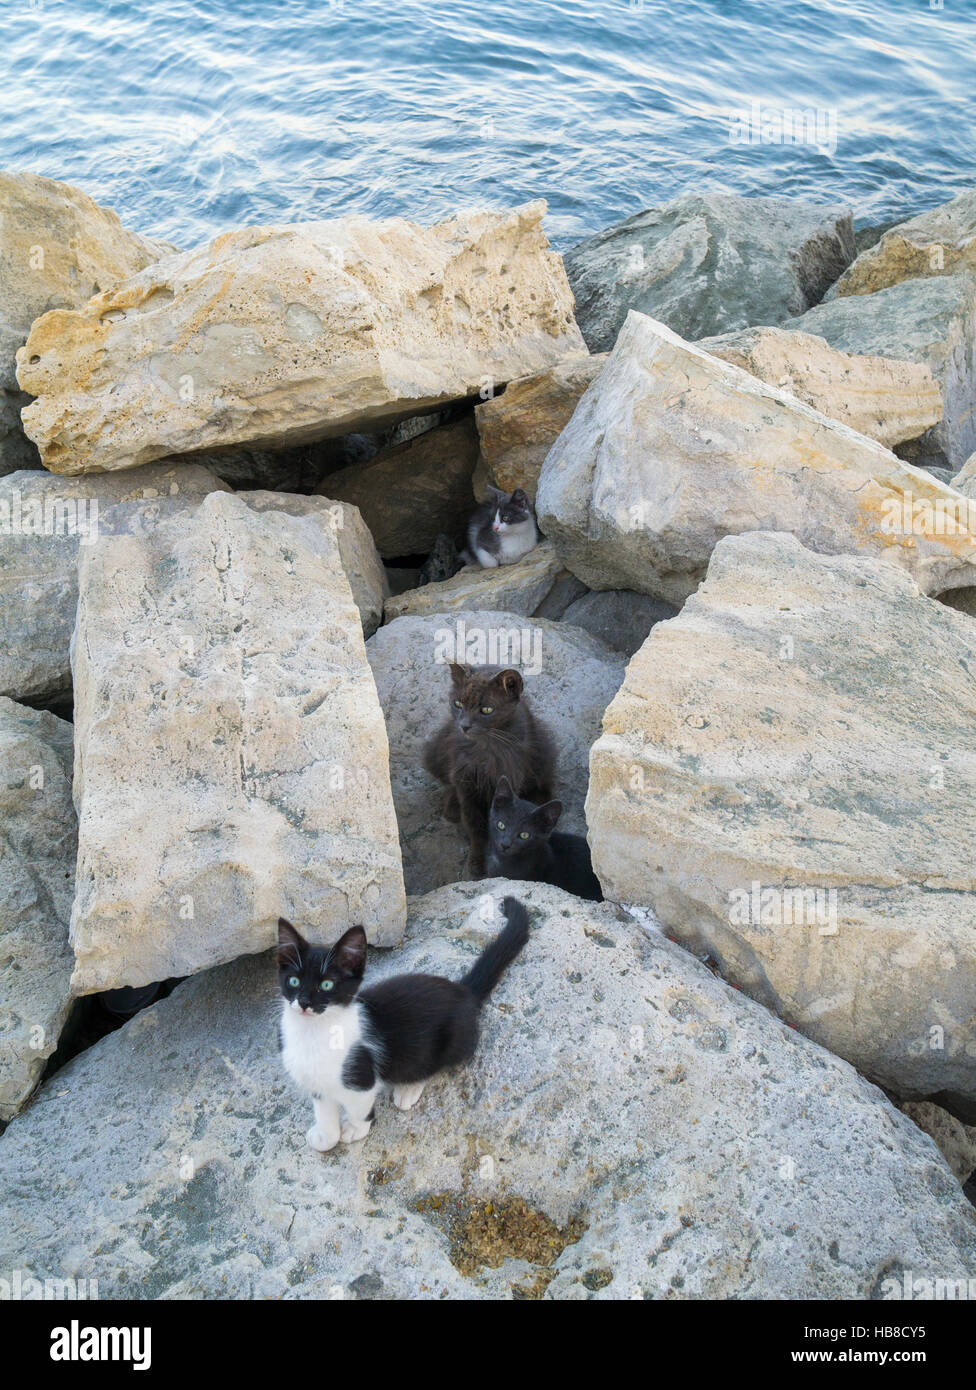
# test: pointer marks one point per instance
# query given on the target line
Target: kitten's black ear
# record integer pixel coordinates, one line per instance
(459, 674)
(349, 953)
(504, 796)
(495, 494)
(546, 818)
(511, 682)
(520, 498)
(291, 943)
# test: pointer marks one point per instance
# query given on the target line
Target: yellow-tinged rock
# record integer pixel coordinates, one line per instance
(671, 449)
(880, 397)
(941, 241)
(284, 334)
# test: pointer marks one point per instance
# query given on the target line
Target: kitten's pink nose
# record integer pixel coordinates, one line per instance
(495, 526)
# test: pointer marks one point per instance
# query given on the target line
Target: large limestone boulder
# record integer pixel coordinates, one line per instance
(570, 678)
(414, 492)
(518, 427)
(786, 778)
(671, 449)
(709, 263)
(888, 400)
(357, 553)
(44, 522)
(932, 322)
(518, 588)
(941, 241)
(278, 335)
(38, 837)
(57, 249)
(630, 1128)
(232, 761)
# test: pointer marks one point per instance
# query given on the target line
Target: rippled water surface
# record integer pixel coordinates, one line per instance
(191, 117)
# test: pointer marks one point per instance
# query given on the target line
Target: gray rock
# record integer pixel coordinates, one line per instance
(283, 470)
(566, 590)
(38, 839)
(962, 600)
(932, 321)
(16, 450)
(442, 563)
(400, 578)
(44, 521)
(956, 1141)
(609, 1141)
(569, 676)
(413, 492)
(870, 235)
(619, 618)
(709, 263)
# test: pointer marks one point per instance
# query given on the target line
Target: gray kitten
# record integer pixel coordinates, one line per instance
(503, 530)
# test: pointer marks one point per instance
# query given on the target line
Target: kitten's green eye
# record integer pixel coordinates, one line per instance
(327, 984)
(501, 825)
(487, 709)
(293, 982)
(457, 704)
(524, 835)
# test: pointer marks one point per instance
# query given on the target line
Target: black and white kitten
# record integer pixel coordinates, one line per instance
(523, 843)
(503, 530)
(343, 1044)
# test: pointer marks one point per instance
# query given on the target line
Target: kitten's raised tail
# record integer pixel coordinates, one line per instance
(498, 955)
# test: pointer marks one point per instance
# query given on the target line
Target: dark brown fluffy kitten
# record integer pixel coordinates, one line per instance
(491, 733)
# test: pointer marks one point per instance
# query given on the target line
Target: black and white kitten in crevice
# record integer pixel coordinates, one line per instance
(343, 1044)
(523, 843)
(503, 531)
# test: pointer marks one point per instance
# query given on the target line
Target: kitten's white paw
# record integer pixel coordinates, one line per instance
(322, 1140)
(353, 1130)
(406, 1097)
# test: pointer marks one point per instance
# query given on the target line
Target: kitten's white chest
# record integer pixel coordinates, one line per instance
(516, 541)
(315, 1047)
